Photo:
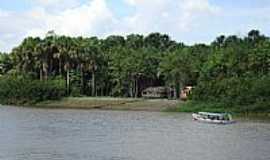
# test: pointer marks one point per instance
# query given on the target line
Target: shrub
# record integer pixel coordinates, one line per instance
(248, 93)
(24, 90)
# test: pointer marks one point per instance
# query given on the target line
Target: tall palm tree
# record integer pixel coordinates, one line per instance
(24, 55)
(68, 51)
(91, 58)
(42, 60)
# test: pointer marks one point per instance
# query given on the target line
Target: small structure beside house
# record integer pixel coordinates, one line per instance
(157, 92)
(185, 92)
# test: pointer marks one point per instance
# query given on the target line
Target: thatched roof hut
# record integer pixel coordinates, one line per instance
(156, 92)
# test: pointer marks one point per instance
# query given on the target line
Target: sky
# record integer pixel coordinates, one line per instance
(188, 21)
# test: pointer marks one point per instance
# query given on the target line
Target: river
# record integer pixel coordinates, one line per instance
(55, 134)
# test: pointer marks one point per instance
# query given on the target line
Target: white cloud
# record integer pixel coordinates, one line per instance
(91, 18)
(68, 17)
(188, 20)
(3, 13)
(171, 16)
(54, 5)
(13, 27)
(52, 2)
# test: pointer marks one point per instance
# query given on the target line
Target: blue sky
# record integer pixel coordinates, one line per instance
(188, 21)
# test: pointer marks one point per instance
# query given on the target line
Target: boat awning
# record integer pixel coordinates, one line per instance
(212, 114)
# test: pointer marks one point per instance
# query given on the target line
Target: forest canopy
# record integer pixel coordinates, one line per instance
(232, 70)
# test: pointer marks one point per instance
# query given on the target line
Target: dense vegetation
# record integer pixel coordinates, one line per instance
(24, 90)
(231, 71)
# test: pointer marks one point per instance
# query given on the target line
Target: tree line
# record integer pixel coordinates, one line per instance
(124, 66)
(115, 66)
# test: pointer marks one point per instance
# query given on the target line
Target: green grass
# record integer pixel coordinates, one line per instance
(138, 104)
(258, 110)
(85, 102)
(191, 106)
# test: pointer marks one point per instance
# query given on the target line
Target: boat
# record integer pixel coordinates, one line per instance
(216, 118)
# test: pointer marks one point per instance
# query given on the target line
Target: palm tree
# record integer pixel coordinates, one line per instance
(42, 60)
(24, 55)
(92, 53)
(67, 61)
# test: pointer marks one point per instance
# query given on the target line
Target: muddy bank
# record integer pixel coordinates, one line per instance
(111, 104)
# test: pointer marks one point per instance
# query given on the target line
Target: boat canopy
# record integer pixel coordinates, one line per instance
(213, 114)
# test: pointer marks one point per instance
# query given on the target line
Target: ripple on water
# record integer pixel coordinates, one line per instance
(41, 134)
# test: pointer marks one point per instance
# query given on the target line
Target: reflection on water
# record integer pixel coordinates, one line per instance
(42, 134)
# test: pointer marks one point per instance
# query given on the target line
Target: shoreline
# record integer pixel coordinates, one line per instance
(135, 104)
(109, 103)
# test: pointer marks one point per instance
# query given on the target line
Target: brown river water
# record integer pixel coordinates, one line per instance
(62, 134)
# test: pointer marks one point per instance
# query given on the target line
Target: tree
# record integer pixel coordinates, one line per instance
(158, 41)
(5, 63)
(91, 57)
(124, 66)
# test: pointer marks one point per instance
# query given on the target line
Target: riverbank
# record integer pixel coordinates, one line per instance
(108, 103)
(152, 105)
(238, 111)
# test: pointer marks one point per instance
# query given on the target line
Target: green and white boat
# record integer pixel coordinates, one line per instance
(216, 118)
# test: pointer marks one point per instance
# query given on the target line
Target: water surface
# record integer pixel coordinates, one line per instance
(43, 134)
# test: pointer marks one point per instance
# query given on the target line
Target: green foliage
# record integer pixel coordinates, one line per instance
(219, 107)
(237, 75)
(5, 63)
(115, 66)
(201, 106)
(232, 71)
(25, 90)
(234, 91)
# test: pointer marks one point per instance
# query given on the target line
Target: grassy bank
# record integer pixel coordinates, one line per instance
(111, 103)
(242, 111)
(140, 104)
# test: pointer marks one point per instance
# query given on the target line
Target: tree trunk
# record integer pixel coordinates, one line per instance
(40, 74)
(60, 67)
(93, 84)
(102, 92)
(68, 85)
(46, 75)
(82, 79)
(107, 91)
(177, 89)
(136, 88)
(51, 66)
(131, 90)
(45, 68)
